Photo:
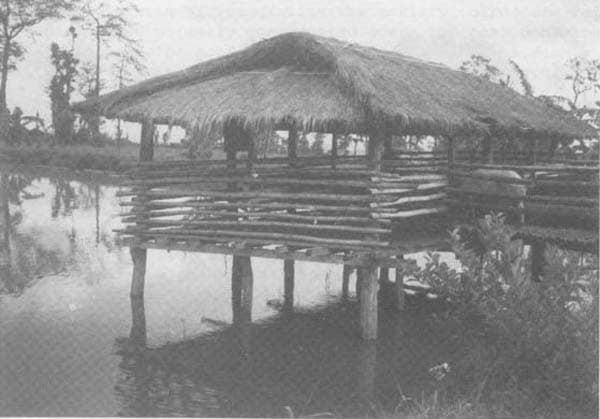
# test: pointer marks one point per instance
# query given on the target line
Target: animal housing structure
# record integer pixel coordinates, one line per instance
(362, 211)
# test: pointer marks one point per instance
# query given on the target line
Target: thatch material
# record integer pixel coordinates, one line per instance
(324, 84)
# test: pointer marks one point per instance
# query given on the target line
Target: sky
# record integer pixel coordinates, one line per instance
(540, 35)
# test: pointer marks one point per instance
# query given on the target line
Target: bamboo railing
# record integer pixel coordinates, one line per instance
(342, 205)
(556, 195)
(270, 203)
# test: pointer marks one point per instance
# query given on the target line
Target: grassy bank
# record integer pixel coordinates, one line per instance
(107, 157)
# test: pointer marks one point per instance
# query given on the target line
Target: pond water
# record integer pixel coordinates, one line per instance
(67, 325)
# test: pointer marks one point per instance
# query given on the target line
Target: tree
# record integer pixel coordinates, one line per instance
(86, 86)
(65, 67)
(483, 67)
(127, 63)
(523, 79)
(584, 76)
(108, 24)
(17, 17)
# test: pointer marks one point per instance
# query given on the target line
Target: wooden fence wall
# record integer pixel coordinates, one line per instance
(321, 203)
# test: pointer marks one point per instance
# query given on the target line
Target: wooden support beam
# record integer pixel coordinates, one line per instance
(292, 145)
(538, 260)
(400, 294)
(147, 142)
(288, 284)
(242, 283)
(375, 150)
(368, 301)
(138, 256)
(334, 150)
(451, 156)
(384, 275)
(138, 335)
(347, 270)
(251, 154)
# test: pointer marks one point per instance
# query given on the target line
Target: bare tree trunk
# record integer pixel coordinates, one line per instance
(4, 114)
(95, 120)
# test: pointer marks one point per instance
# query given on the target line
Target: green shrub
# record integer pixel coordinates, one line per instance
(534, 346)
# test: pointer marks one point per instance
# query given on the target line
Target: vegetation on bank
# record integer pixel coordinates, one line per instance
(533, 345)
(103, 157)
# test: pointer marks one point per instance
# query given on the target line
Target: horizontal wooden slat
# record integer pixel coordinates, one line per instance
(216, 224)
(240, 235)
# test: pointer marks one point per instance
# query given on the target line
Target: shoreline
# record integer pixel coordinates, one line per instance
(107, 159)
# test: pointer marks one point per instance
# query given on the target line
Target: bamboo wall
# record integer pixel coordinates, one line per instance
(269, 202)
(340, 205)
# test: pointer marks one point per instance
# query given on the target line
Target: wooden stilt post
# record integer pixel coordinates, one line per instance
(375, 151)
(346, 271)
(358, 283)
(384, 275)
(400, 295)
(147, 141)
(367, 274)
(288, 284)
(138, 334)
(251, 154)
(292, 145)
(334, 150)
(242, 282)
(538, 260)
(138, 254)
(368, 301)
(288, 264)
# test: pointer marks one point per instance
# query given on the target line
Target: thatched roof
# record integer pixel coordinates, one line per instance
(325, 84)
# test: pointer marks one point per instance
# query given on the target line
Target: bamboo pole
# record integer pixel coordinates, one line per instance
(264, 225)
(315, 219)
(280, 237)
(548, 168)
(257, 205)
(255, 194)
(413, 213)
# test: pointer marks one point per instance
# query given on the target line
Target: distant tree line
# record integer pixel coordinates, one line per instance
(108, 23)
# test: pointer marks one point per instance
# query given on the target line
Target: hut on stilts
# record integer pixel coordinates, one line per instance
(361, 211)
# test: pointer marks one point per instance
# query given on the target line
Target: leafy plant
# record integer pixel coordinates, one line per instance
(533, 345)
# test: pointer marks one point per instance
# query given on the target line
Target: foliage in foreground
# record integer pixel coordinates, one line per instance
(533, 346)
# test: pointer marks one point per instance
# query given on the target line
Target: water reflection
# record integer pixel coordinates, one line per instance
(29, 252)
(74, 343)
(300, 363)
